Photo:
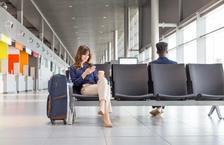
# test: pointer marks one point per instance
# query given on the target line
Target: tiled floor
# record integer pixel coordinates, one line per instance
(23, 121)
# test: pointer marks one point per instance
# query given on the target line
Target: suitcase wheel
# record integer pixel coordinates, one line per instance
(64, 121)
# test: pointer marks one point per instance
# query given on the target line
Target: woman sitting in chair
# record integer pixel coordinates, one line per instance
(88, 82)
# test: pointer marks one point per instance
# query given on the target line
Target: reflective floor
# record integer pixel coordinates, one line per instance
(23, 121)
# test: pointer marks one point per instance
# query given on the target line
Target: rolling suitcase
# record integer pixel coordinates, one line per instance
(57, 98)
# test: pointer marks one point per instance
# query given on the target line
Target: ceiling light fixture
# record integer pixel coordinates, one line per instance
(70, 6)
(104, 17)
(73, 18)
(107, 5)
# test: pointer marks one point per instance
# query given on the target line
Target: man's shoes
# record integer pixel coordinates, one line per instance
(156, 112)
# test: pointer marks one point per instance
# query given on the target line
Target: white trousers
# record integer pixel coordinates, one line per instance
(102, 89)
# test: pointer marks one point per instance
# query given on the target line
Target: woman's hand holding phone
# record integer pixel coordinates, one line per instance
(92, 69)
(88, 71)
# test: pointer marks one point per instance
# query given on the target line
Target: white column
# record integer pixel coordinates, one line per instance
(53, 43)
(109, 51)
(38, 74)
(60, 50)
(154, 26)
(106, 55)
(65, 55)
(180, 10)
(115, 45)
(103, 59)
(201, 41)
(20, 5)
(180, 48)
(126, 31)
(41, 35)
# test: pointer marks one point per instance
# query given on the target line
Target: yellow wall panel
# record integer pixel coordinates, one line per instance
(0, 65)
(3, 50)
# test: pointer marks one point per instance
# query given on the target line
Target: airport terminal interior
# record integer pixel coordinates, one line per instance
(40, 38)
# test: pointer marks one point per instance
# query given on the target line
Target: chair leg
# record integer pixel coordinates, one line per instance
(218, 112)
(74, 115)
(211, 111)
(70, 117)
(70, 112)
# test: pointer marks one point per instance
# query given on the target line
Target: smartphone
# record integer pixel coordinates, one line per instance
(92, 67)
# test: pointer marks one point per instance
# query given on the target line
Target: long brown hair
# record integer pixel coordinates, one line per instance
(82, 50)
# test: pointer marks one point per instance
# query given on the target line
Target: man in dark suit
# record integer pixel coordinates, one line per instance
(162, 52)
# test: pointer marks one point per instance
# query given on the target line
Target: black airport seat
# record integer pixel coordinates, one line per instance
(130, 82)
(207, 81)
(106, 68)
(169, 82)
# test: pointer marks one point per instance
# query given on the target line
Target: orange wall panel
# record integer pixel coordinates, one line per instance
(12, 58)
(23, 60)
(19, 46)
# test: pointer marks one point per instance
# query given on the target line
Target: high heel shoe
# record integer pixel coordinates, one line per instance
(108, 125)
(106, 121)
(100, 112)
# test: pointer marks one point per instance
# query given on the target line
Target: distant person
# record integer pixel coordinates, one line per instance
(162, 52)
(88, 81)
